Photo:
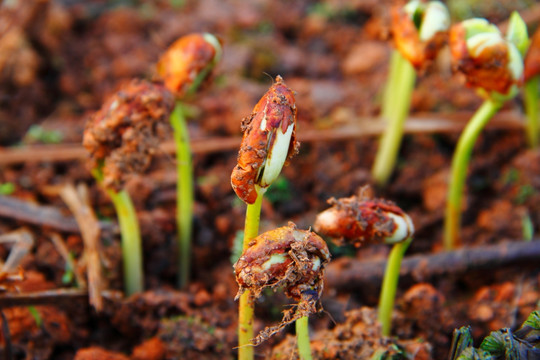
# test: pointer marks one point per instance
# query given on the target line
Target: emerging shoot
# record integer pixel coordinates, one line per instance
(269, 141)
(121, 138)
(359, 220)
(492, 65)
(184, 67)
(532, 82)
(291, 259)
(419, 30)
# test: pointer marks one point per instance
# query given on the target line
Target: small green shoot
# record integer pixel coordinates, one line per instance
(527, 227)
(417, 29)
(37, 134)
(254, 173)
(184, 67)
(7, 188)
(36, 315)
(496, 84)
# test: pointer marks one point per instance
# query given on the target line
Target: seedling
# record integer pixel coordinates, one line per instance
(419, 31)
(532, 82)
(121, 138)
(291, 259)
(184, 67)
(269, 141)
(501, 344)
(360, 220)
(494, 66)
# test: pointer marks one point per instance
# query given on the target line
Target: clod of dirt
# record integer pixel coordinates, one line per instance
(124, 133)
(97, 353)
(190, 338)
(289, 258)
(151, 349)
(359, 337)
(422, 314)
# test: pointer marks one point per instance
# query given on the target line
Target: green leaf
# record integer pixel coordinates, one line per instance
(517, 33)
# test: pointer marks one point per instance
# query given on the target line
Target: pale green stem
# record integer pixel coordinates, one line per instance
(131, 241)
(184, 193)
(246, 306)
(302, 338)
(389, 285)
(396, 105)
(531, 108)
(394, 73)
(458, 174)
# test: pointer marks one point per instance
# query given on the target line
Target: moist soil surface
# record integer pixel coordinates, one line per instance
(61, 60)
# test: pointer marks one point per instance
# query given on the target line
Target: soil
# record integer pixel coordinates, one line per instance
(67, 57)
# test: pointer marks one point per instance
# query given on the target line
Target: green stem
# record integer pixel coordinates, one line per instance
(184, 193)
(131, 241)
(531, 108)
(302, 337)
(393, 80)
(458, 174)
(246, 306)
(396, 105)
(389, 285)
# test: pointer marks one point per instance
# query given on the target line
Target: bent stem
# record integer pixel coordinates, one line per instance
(131, 241)
(531, 108)
(389, 285)
(458, 174)
(246, 306)
(395, 108)
(302, 338)
(184, 193)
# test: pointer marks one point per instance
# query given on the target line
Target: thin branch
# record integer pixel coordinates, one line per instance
(70, 262)
(58, 297)
(77, 201)
(348, 273)
(47, 216)
(356, 128)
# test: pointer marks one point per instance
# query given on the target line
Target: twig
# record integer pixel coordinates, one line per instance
(77, 201)
(40, 215)
(23, 241)
(356, 128)
(7, 337)
(347, 273)
(70, 262)
(58, 297)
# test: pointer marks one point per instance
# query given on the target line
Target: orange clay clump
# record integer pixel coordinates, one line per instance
(271, 118)
(532, 59)
(289, 258)
(488, 70)
(185, 60)
(407, 39)
(122, 135)
(360, 220)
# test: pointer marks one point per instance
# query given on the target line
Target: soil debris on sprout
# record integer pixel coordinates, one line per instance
(288, 258)
(121, 136)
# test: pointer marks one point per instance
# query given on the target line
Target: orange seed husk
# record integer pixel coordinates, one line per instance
(276, 111)
(183, 61)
